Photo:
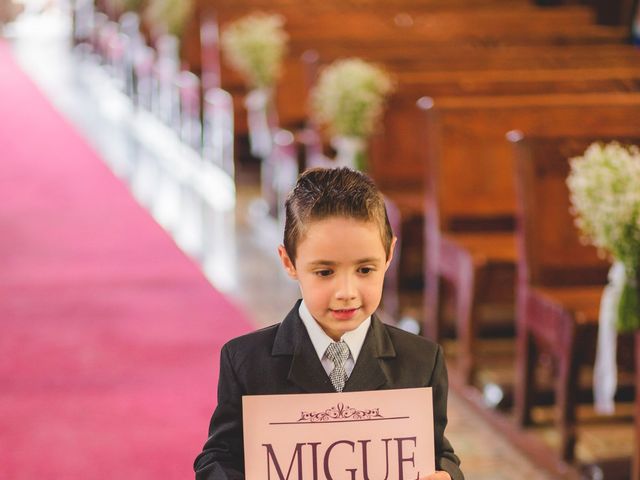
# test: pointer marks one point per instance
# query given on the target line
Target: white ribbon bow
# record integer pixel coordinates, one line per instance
(605, 374)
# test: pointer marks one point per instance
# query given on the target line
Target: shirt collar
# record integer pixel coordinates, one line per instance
(320, 340)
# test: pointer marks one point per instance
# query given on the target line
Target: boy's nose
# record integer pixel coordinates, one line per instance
(346, 288)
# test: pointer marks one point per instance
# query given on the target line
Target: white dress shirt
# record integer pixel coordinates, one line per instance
(320, 340)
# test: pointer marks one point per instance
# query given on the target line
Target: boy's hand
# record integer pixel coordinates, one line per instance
(440, 475)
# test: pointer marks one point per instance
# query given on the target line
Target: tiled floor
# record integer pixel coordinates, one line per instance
(253, 275)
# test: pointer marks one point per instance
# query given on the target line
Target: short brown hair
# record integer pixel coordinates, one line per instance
(333, 192)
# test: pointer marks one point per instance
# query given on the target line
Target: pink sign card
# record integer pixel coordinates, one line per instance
(374, 435)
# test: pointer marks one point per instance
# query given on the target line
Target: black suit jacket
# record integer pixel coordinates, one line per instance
(281, 359)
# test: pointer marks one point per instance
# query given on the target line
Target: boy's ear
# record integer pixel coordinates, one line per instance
(392, 249)
(288, 265)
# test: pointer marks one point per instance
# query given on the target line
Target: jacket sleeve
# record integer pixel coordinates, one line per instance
(446, 459)
(222, 457)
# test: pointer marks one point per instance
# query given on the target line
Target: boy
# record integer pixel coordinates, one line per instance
(337, 245)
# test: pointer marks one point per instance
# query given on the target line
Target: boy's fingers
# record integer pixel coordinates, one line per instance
(437, 476)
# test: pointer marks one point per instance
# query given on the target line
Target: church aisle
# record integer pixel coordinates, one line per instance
(110, 332)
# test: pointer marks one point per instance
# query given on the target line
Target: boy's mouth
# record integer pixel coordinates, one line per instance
(344, 313)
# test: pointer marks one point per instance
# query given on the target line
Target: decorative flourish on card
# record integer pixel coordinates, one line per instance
(340, 412)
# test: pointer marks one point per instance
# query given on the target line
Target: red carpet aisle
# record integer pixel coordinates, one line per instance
(109, 335)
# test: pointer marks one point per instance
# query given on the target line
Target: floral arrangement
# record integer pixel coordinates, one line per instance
(255, 46)
(172, 15)
(349, 97)
(129, 5)
(604, 185)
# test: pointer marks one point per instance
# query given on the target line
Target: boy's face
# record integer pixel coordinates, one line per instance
(340, 266)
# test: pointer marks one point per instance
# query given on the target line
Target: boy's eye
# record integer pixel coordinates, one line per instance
(365, 270)
(323, 273)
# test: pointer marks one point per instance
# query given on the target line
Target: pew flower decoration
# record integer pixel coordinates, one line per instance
(349, 100)
(129, 5)
(171, 16)
(255, 46)
(605, 194)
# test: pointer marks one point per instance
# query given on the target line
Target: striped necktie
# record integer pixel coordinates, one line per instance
(338, 352)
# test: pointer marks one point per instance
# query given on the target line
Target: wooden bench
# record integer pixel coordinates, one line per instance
(249, 5)
(387, 24)
(619, 69)
(291, 97)
(608, 12)
(560, 280)
(374, 30)
(470, 206)
(395, 154)
(519, 25)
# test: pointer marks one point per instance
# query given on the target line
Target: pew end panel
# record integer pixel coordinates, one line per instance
(560, 280)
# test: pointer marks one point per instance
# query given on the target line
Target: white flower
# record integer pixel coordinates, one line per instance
(255, 46)
(605, 194)
(349, 97)
(171, 14)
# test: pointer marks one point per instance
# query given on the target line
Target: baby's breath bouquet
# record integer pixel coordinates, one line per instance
(171, 15)
(349, 99)
(605, 193)
(129, 5)
(255, 46)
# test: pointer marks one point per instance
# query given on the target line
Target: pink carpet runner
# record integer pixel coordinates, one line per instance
(109, 335)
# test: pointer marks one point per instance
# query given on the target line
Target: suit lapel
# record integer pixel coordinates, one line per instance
(305, 371)
(368, 373)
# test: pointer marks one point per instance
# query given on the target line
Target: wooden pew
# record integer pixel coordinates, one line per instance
(470, 205)
(484, 27)
(291, 97)
(560, 280)
(418, 57)
(608, 12)
(524, 25)
(418, 64)
(395, 153)
(488, 26)
(493, 24)
(378, 4)
(472, 71)
(517, 70)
